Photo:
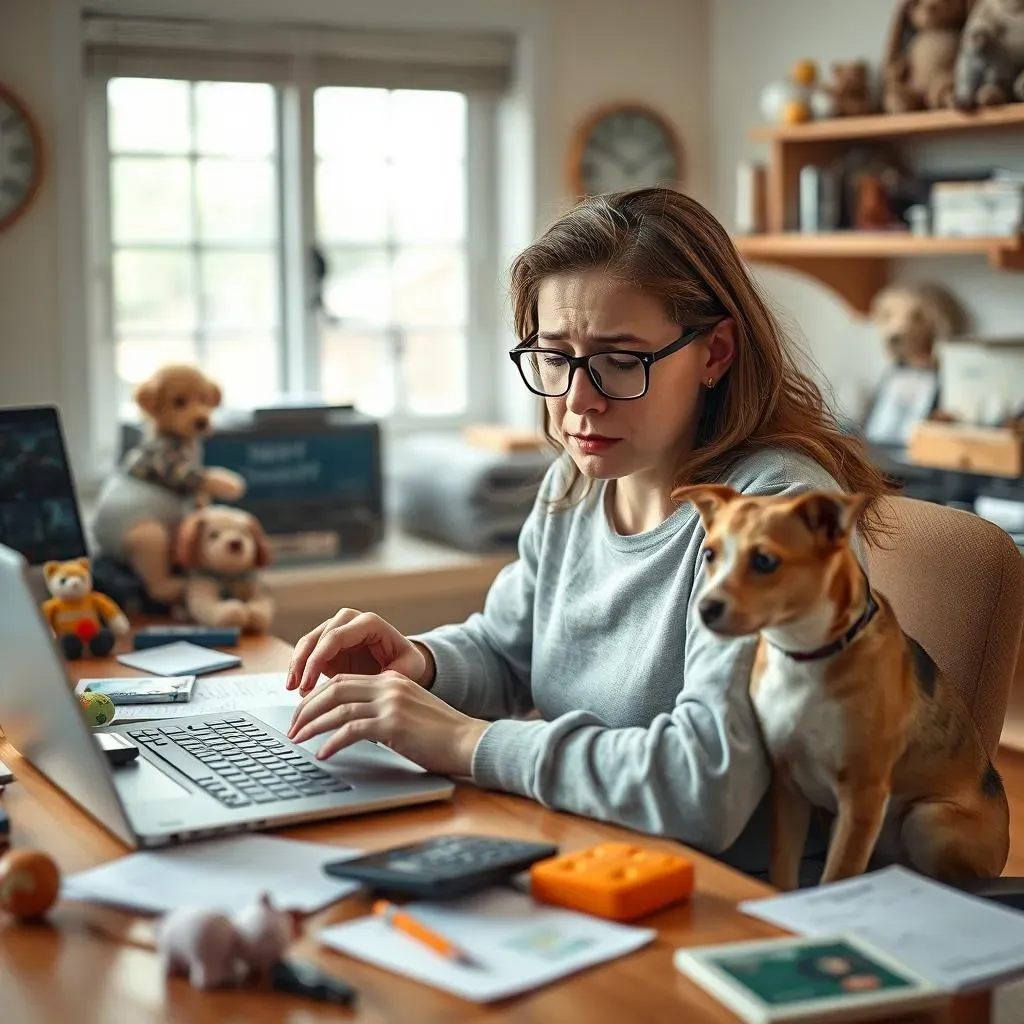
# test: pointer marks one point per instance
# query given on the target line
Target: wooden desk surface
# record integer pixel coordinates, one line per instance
(95, 966)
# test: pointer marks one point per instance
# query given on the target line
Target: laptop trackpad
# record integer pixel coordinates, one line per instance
(141, 782)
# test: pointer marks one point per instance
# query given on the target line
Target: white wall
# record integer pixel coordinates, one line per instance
(580, 53)
(753, 43)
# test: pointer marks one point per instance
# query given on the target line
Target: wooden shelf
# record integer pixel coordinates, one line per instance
(855, 264)
(877, 126)
(881, 244)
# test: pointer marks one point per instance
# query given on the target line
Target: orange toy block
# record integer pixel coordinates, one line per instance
(614, 880)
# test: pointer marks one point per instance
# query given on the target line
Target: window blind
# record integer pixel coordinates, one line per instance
(245, 52)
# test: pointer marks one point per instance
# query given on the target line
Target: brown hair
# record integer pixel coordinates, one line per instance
(671, 246)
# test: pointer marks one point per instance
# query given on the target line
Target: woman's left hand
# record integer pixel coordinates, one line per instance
(391, 709)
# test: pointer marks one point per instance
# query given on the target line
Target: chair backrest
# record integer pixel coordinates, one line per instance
(956, 582)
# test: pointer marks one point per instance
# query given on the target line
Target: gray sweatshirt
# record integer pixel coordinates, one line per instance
(645, 719)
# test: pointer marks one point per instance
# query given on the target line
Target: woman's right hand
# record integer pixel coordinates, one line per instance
(355, 643)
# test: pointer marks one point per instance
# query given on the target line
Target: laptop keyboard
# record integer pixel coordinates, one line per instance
(238, 762)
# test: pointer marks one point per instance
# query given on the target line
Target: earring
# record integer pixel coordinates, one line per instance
(710, 383)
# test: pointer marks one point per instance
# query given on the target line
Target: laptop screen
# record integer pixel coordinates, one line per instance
(39, 515)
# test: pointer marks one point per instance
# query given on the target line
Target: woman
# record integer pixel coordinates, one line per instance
(660, 366)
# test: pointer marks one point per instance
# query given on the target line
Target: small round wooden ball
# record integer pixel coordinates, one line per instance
(29, 883)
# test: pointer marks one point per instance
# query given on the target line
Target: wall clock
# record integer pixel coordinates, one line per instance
(21, 158)
(624, 146)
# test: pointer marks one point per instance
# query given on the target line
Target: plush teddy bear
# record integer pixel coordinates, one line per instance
(222, 550)
(990, 65)
(912, 318)
(921, 56)
(162, 479)
(81, 619)
(850, 89)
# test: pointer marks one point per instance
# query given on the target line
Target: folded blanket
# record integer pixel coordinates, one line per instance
(469, 497)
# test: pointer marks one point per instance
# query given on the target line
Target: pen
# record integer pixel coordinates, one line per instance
(403, 922)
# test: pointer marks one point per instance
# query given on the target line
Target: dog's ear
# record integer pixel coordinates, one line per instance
(263, 553)
(186, 552)
(709, 499)
(213, 394)
(830, 515)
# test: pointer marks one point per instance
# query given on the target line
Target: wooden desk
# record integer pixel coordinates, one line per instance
(90, 965)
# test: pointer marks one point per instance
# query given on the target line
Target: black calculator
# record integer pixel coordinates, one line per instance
(442, 868)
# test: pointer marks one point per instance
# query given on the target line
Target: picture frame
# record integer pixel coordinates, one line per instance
(905, 396)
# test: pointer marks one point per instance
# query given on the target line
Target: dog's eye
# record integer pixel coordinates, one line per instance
(213, 534)
(179, 402)
(763, 563)
(709, 555)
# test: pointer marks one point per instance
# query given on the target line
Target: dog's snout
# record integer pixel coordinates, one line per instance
(235, 546)
(711, 610)
(202, 422)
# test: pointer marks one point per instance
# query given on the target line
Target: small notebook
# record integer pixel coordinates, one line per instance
(828, 978)
(179, 659)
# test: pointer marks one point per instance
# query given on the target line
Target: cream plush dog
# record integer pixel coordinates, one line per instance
(222, 550)
(912, 318)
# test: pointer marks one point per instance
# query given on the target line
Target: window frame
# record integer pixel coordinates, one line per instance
(299, 332)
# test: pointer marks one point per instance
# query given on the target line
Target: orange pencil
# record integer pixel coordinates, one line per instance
(408, 925)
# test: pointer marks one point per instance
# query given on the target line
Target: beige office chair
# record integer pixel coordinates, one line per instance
(956, 582)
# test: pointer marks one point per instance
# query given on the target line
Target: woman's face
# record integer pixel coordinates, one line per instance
(607, 439)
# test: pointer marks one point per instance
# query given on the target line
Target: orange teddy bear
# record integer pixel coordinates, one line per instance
(79, 617)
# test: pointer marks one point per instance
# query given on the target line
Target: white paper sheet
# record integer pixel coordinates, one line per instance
(517, 944)
(957, 941)
(227, 873)
(218, 693)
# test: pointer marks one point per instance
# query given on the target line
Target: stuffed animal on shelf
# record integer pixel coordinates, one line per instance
(163, 479)
(222, 550)
(921, 55)
(217, 951)
(912, 318)
(990, 65)
(81, 619)
(850, 89)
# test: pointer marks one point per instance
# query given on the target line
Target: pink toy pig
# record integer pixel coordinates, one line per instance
(217, 951)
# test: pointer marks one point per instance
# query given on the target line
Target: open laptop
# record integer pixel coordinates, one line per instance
(196, 777)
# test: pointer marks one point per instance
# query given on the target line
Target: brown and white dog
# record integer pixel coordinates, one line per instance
(855, 716)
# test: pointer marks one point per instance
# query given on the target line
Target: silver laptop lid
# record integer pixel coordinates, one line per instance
(39, 712)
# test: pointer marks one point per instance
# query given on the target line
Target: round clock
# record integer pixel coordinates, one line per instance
(624, 146)
(21, 158)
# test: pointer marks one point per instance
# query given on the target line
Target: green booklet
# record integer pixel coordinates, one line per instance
(832, 978)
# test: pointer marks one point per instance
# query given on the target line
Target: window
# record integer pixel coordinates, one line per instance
(391, 223)
(315, 222)
(194, 229)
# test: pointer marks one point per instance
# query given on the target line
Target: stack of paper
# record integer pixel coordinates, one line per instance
(516, 944)
(957, 941)
(227, 874)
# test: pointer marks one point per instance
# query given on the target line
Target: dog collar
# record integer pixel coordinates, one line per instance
(870, 609)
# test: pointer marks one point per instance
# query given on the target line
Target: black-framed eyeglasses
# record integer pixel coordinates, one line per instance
(620, 375)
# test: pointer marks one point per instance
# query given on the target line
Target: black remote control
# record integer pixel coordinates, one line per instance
(442, 868)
